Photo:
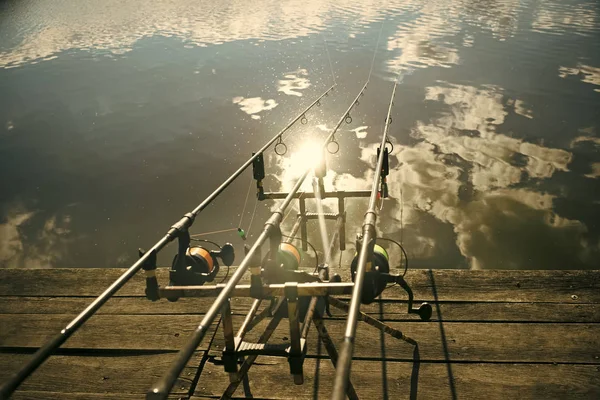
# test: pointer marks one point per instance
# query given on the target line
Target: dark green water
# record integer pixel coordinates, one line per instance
(118, 117)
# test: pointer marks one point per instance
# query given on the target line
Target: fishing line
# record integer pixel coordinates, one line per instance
(245, 202)
(241, 232)
(206, 241)
(376, 47)
(225, 277)
(401, 216)
(213, 232)
(403, 252)
(252, 218)
(330, 64)
(292, 208)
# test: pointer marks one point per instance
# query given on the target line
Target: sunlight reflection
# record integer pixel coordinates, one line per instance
(307, 156)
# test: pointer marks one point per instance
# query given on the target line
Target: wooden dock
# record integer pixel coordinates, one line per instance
(493, 335)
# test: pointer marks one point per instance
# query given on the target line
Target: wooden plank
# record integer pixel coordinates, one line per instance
(35, 395)
(503, 286)
(136, 332)
(78, 281)
(473, 342)
(98, 374)
(475, 333)
(507, 341)
(386, 310)
(403, 380)
(446, 285)
(116, 305)
(70, 281)
(485, 312)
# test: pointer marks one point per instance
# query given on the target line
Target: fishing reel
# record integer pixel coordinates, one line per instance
(288, 256)
(287, 263)
(375, 281)
(195, 265)
(378, 277)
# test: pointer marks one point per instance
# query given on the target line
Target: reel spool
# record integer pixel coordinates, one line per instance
(288, 255)
(375, 283)
(200, 265)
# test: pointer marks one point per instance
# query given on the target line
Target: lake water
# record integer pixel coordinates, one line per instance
(117, 117)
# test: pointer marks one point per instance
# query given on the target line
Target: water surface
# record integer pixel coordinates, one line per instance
(118, 117)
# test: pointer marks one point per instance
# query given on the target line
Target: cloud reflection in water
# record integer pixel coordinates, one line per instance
(468, 176)
(293, 82)
(254, 105)
(115, 26)
(556, 17)
(587, 73)
(461, 172)
(52, 238)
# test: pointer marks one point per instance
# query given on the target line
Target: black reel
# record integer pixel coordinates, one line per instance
(375, 283)
(195, 265)
(377, 279)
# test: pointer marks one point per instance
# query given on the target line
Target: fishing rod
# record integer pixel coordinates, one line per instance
(368, 264)
(271, 232)
(180, 226)
(342, 376)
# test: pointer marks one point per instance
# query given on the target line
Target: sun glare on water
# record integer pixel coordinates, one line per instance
(308, 155)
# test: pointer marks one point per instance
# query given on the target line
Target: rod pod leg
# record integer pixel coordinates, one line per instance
(332, 352)
(395, 333)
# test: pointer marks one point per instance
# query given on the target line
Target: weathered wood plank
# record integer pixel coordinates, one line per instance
(393, 311)
(116, 305)
(136, 332)
(486, 312)
(475, 342)
(35, 395)
(70, 281)
(449, 285)
(475, 335)
(98, 374)
(503, 286)
(403, 380)
(466, 341)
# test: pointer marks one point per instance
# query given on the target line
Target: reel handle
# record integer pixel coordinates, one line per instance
(424, 310)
